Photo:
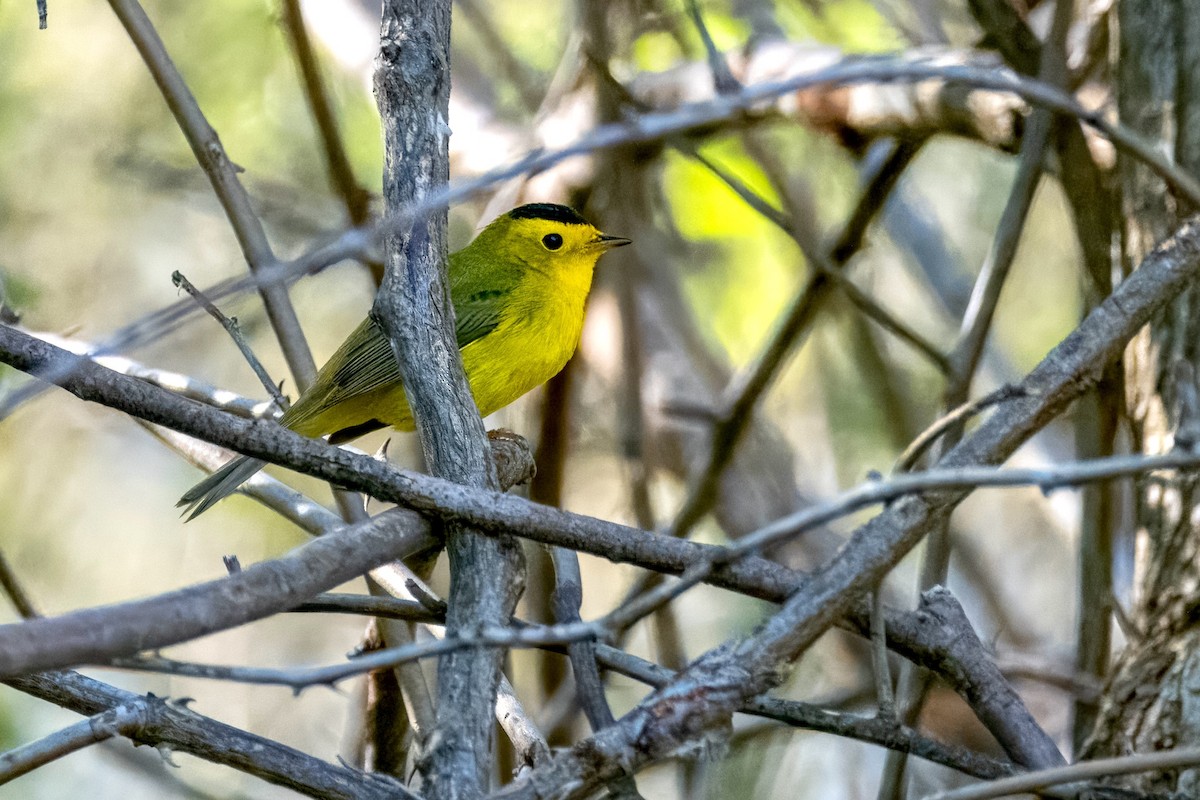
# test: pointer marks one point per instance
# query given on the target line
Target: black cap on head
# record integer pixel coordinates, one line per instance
(550, 211)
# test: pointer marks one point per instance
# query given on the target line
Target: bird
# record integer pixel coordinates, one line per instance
(519, 290)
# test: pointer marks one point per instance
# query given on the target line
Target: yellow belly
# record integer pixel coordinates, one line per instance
(522, 353)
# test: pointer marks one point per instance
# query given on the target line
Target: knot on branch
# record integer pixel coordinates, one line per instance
(513, 456)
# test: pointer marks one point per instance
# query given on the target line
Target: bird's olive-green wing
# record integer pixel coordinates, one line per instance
(481, 287)
(478, 315)
(363, 363)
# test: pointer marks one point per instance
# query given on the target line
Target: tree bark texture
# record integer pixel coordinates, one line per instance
(413, 90)
(1151, 702)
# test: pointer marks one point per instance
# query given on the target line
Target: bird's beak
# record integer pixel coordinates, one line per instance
(606, 242)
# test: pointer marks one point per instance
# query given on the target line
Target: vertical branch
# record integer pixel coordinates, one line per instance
(1142, 707)
(341, 174)
(337, 162)
(568, 597)
(546, 488)
(1096, 426)
(412, 85)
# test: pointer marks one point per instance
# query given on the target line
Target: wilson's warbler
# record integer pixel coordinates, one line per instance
(518, 291)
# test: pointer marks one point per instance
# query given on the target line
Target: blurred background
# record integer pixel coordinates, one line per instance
(101, 200)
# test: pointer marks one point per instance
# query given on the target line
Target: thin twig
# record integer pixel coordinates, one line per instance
(879, 658)
(1129, 629)
(723, 80)
(388, 607)
(300, 678)
(889, 321)
(927, 437)
(1082, 771)
(829, 264)
(235, 332)
(16, 591)
(98, 728)
(977, 321)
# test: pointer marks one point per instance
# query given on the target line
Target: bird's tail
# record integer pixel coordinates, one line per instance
(219, 485)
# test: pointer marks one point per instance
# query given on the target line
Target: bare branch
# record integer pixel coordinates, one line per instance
(1084, 770)
(412, 84)
(298, 678)
(16, 591)
(223, 175)
(102, 726)
(176, 726)
(231, 327)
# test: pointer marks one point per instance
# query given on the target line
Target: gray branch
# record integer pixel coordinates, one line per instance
(412, 86)
(222, 174)
(173, 725)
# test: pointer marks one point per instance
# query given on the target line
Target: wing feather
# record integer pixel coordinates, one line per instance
(364, 363)
(478, 315)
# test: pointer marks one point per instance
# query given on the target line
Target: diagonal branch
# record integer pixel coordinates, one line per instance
(223, 175)
(121, 720)
(174, 725)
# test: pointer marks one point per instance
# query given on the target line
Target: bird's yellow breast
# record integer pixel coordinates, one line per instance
(533, 342)
(537, 335)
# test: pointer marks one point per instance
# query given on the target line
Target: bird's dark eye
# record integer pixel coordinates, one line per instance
(553, 241)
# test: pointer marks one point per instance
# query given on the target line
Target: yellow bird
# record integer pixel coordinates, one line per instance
(518, 290)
